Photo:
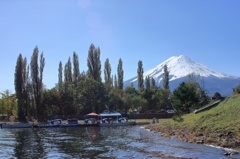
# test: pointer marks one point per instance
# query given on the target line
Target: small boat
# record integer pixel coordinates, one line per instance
(18, 125)
(56, 123)
(71, 123)
(113, 118)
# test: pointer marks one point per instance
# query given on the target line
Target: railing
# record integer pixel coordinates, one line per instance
(206, 107)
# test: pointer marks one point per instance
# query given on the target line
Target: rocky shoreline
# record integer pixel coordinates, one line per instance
(218, 139)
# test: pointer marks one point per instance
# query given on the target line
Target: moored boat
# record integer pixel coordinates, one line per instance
(18, 125)
(70, 123)
(56, 123)
(113, 118)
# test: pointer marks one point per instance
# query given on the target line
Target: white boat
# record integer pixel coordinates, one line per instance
(113, 118)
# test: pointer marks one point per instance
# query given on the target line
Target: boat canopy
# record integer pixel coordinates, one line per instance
(92, 114)
(107, 113)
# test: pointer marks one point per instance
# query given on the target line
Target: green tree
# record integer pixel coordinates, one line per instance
(147, 83)
(68, 71)
(67, 106)
(107, 74)
(201, 91)
(153, 83)
(166, 78)
(60, 77)
(237, 89)
(37, 77)
(120, 74)
(52, 104)
(76, 69)
(115, 102)
(19, 87)
(8, 103)
(115, 82)
(90, 96)
(94, 63)
(132, 100)
(185, 97)
(164, 99)
(27, 91)
(140, 75)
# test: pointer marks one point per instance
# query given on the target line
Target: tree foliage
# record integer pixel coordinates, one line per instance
(153, 83)
(166, 78)
(140, 75)
(37, 77)
(147, 83)
(185, 97)
(107, 74)
(19, 87)
(8, 104)
(60, 77)
(237, 90)
(82, 93)
(68, 71)
(90, 96)
(120, 74)
(94, 63)
(76, 69)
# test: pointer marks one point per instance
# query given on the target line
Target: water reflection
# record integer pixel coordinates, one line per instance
(98, 142)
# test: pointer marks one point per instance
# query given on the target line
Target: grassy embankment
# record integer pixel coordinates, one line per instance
(219, 126)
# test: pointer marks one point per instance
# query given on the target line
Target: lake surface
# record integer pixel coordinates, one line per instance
(99, 142)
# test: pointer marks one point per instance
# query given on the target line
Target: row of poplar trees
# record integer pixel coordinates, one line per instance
(75, 93)
(79, 93)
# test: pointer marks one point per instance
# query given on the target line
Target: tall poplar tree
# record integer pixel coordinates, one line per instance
(76, 70)
(166, 78)
(107, 73)
(153, 86)
(115, 82)
(68, 71)
(140, 75)
(60, 77)
(19, 84)
(37, 77)
(26, 88)
(120, 74)
(94, 63)
(147, 83)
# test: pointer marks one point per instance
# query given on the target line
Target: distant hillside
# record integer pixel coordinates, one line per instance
(219, 125)
(180, 67)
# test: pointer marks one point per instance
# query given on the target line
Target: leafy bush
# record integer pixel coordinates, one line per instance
(237, 90)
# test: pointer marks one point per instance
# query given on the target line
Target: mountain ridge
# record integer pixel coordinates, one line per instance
(181, 66)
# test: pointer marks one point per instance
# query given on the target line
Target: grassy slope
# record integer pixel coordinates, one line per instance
(219, 125)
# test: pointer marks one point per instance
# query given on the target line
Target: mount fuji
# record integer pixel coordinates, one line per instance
(180, 67)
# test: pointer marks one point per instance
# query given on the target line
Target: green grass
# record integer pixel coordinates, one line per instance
(221, 120)
(224, 116)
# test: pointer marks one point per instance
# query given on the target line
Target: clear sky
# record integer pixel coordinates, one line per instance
(207, 31)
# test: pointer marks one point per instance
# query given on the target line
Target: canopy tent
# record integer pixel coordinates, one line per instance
(92, 114)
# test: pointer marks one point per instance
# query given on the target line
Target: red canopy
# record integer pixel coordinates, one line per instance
(92, 114)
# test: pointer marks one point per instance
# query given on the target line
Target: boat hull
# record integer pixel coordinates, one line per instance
(118, 124)
(66, 126)
(13, 126)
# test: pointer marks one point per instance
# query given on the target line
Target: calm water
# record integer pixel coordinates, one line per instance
(98, 142)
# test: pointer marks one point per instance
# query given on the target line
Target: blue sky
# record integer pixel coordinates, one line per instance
(207, 31)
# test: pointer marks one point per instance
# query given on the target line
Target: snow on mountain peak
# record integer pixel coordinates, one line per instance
(181, 66)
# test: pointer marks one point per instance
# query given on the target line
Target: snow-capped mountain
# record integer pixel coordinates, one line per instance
(180, 67)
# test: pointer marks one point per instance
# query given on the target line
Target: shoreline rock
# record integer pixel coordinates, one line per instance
(184, 134)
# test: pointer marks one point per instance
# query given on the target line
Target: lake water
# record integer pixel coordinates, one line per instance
(99, 142)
